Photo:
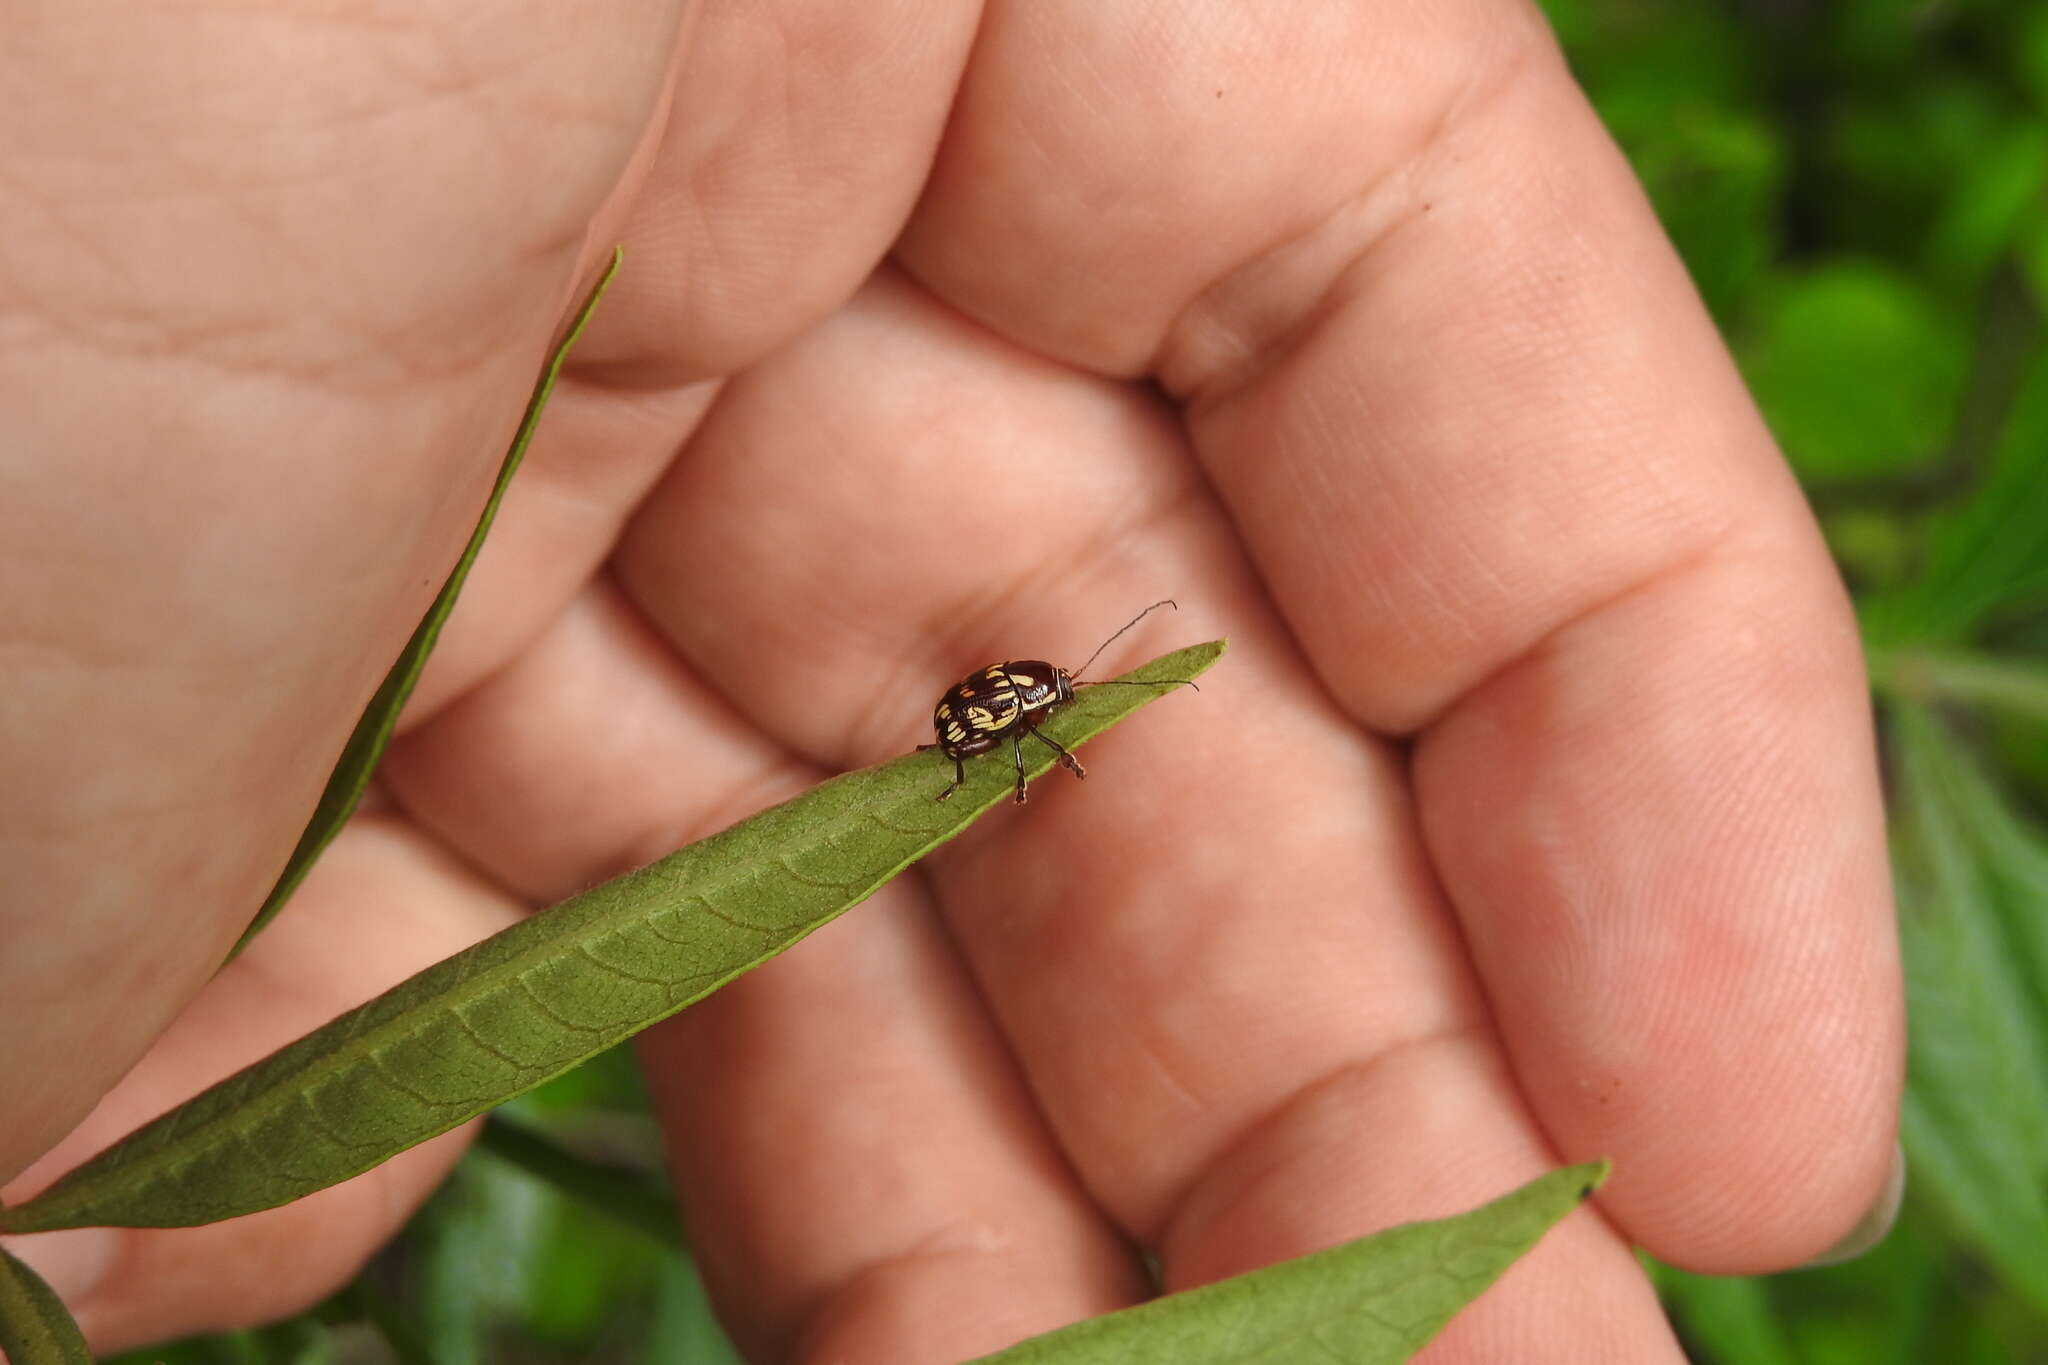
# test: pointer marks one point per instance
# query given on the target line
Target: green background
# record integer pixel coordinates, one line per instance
(1861, 192)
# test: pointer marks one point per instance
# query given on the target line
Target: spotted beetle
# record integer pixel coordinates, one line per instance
(1012, 699)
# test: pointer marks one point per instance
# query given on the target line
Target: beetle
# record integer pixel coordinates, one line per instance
(1010, 700)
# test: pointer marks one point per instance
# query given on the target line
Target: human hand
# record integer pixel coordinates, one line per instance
(1532, 817)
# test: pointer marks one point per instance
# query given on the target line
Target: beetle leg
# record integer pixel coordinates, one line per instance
(959, 774)
(1017, 752)
(1067, 760)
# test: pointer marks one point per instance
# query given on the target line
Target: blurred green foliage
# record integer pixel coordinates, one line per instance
(1860, 188)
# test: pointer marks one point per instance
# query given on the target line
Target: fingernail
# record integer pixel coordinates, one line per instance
(72, 1262)
(1872, 1227)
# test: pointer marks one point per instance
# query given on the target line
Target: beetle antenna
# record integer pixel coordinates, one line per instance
(1156, 682)
(1162, 602)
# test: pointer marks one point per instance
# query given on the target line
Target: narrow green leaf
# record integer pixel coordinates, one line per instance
(1976, 1104)
(373, 732)
(2009, 859)
(34, 1328)
(1379, 1299)
(2016, 684)
(530, 1002)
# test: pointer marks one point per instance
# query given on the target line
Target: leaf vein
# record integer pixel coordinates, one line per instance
(837, 888)
(532, 993)
(765, 930)
(519, 1066)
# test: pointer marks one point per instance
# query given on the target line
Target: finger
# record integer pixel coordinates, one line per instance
(1229, 935)
(382, 904)
(861, 1172)
(1480, 438)
(796, 144)
(750, 218)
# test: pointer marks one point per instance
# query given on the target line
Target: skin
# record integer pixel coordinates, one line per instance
(1532, 817)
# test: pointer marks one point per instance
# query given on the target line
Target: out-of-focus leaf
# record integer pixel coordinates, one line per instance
(1379, 1299)
(1975, 1122)
(1987, 558)
(35, 1328)
(223, 1348)
(685, 1329)
(499, 1257)
(627, 1195)
(591, 1291)
(1873, 546)
(1894, 154)
(530, 1002)
(1621, 48)
(1857, 370)
(1678, 87)
(2010, 692)
(2029, 53)
(1729, 1316)
(2004, 191)
(469, 1255)
(2030, 251)
(1953, 676)
(2009, 865)
(303, 1341)
(1875, 1310)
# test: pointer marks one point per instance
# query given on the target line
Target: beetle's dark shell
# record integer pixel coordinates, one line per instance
(1009, 700)
(990, 703)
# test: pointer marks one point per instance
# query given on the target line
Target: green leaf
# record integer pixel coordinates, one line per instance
(2029, 53)
(1987, 557)
(1731, 1317)
(1893, 154)
(528, 1003)
(2018, 684)
(2030, 258)
(625, 1194)
(1380, 1298)
(463, 1268)
(1997, 195)
(372, 734)
(1976, 1105)
(1999, 864)
(1877, 1309)
(34, 1328)
(685, 1327)
(1858, 370)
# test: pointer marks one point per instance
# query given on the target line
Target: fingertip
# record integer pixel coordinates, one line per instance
(1877, 1220)
(73, 1263)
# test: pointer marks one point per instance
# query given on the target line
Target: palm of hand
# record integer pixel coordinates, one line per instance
(1531, 817)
